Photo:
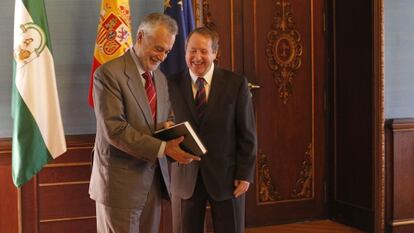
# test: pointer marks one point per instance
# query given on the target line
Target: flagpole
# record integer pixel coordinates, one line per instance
(19, 210)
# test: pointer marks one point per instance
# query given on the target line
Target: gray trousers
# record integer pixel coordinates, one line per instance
(136, 220)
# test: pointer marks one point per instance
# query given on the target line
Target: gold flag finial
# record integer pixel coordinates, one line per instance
(167, 4)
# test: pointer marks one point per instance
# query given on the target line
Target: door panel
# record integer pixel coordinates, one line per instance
(354, 114)
(284, 54)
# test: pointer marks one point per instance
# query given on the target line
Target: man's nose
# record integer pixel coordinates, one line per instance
(197, 56)
(162, 56)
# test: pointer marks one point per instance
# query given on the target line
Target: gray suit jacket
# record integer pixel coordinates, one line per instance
(125, 156)
(228, 131)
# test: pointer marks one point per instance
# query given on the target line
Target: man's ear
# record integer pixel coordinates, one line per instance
(140, 35)
(215, 54)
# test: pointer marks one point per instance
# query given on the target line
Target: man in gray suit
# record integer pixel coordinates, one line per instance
(130, 172)
(218, 105)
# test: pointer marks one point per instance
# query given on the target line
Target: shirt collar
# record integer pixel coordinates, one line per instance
(208, 76)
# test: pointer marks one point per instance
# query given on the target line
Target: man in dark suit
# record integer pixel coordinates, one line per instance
(218, 105)
(130, 169)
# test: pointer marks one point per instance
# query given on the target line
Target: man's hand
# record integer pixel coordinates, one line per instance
(168, 124)
(241, 187)
(173, 150)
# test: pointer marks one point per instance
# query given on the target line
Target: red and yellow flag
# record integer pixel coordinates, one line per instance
(113, 37)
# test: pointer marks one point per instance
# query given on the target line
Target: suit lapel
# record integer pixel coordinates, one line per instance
(218, 85)
(187, 92)
(159, 88)
(137, 88)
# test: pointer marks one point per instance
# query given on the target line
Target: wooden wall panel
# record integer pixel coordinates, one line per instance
(65, 201)
(400, 175)
(54, 200)
(69, 226)
(50, 175)
(8, 192)
(57, 197)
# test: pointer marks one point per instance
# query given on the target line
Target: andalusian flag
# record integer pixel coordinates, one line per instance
(113, 37)
(37, 126)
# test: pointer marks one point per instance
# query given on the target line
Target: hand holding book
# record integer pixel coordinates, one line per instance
(173, 150)
(191, 142)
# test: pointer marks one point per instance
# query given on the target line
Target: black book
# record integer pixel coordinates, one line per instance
(191, 143)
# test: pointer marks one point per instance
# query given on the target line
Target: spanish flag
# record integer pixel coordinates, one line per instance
(113, 37)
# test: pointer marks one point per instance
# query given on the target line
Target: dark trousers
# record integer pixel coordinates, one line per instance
(189, 214)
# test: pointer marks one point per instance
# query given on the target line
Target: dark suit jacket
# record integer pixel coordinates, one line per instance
(125, 154)
(228, 131)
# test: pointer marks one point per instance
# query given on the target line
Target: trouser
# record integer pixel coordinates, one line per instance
(189, 214)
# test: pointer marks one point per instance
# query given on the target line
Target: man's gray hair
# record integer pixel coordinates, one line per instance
(153, 20)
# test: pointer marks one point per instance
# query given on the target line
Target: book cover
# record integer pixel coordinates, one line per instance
(191, 143)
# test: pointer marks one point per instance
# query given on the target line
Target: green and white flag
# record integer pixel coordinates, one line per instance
(37, 125)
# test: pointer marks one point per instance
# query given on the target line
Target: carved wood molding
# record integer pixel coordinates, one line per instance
(267, 190)
(379, 133)
(72, 141)
(197, 8)
(207, 19)
(284, 49)
(400, 124)
(304, 185)
(5, 146)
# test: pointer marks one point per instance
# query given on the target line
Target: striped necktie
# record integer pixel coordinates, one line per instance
(151, 94)
(200, 97)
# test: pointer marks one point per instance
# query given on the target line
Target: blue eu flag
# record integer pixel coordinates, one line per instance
(182, 12)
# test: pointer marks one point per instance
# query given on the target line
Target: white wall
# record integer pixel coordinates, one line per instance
(72, 25)
(399, 58)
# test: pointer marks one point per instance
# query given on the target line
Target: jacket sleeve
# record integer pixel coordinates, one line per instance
(246, 134)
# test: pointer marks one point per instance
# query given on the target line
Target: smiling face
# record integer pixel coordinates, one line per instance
(199, 54)
(153, 48)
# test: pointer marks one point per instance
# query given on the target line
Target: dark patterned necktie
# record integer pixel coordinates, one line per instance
(200, 98)
(151, 94)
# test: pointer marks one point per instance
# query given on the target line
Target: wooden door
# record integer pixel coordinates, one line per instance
(280, 46)
(357, 163)
(284, 53)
